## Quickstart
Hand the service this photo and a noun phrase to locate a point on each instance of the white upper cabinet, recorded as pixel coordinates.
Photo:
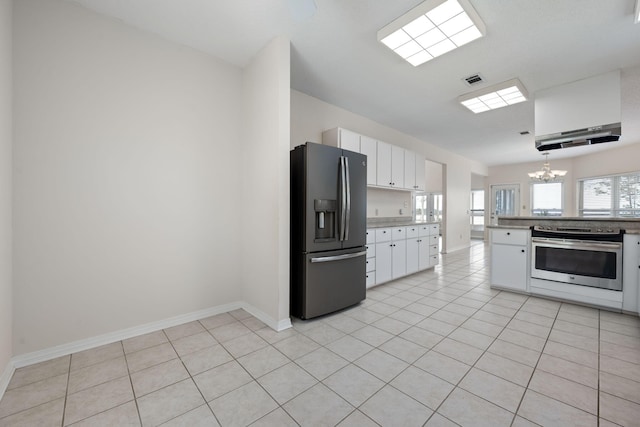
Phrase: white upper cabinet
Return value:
(349, 140)
(397, 167)
(420, 173)
(369, 147)
(384, 165)
(387, 165)
(409, 169)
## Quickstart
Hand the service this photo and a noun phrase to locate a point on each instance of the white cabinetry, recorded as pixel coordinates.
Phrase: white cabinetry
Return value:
(388, 165)
(369, 147)
(510, 258)
(353, 141)
(371, 258)
(397, 167)
(383, 255)
(399, 251)
(414, 178)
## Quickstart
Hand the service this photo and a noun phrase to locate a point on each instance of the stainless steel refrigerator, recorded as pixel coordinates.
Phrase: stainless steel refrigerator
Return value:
(328, 229)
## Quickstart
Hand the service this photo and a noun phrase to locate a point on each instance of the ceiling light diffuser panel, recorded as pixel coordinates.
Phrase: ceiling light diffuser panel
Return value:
(496, 96)
(431, 29)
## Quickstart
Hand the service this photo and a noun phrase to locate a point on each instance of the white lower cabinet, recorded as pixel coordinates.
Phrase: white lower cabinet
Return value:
(399, 251)
(631, 273)
(510, 259)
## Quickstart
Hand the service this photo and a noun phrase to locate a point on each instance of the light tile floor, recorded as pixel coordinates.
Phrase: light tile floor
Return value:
(438, 348)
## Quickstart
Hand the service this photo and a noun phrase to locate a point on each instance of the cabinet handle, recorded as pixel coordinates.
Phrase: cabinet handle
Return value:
(508, 234)
(522, 250)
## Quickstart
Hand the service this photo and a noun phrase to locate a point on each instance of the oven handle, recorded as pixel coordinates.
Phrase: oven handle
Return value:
(576, 244)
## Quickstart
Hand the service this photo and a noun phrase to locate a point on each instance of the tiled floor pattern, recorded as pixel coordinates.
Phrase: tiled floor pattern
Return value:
(437, 348)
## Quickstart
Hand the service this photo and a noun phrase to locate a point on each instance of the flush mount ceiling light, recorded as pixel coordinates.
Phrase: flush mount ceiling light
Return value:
(496, 96)
(431, 29)
(546, 174)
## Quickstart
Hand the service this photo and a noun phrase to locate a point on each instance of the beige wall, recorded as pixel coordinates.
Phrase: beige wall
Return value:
(6, 329)
(126, 179)
(265, 190)
(311, 116)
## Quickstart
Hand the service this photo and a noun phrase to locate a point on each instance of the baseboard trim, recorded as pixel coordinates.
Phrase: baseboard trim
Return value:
(6, 377)
(86, 344)
(276, 325)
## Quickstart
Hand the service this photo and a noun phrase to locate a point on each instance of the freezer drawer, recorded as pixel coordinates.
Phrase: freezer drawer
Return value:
(328, 281)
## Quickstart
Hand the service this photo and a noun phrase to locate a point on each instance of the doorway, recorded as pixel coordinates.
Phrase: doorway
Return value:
(505, 201)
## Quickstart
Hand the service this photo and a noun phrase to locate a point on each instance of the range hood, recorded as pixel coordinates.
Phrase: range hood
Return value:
(584, 112)
(576, 138)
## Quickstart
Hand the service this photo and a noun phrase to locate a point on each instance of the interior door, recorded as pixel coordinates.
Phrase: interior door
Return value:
(505, 201)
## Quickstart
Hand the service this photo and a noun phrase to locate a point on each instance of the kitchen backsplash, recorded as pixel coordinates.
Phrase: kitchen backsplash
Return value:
(388, 203)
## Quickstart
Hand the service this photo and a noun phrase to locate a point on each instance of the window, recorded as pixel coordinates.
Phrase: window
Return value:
(610, 196)
(477, 208)
(546, 199)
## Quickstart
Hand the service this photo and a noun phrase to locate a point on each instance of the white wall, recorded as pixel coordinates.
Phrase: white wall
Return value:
(616, 160)
(265, 173)
(311, 116)
(126, 179)
(382, 203)
(433, 177)
(6, 346)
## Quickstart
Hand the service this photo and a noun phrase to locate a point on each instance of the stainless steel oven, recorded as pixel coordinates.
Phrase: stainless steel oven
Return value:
(578, 256)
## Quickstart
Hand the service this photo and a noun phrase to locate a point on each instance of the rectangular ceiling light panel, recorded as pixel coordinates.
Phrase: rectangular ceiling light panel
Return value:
(431, 29)
(496, 96)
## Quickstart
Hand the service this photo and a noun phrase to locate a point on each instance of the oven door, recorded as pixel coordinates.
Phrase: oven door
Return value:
(579, 262)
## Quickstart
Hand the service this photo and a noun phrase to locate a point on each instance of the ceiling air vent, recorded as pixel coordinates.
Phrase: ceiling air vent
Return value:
(473, 80)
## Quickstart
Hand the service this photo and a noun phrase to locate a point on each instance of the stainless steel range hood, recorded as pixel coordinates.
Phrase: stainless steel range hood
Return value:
(576, 138)
(584, 112)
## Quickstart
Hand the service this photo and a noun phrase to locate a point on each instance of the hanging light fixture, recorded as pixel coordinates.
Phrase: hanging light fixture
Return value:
(546, 174)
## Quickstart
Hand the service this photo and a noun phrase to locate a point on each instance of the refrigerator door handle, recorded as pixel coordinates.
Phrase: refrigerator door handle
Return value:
(343, 198)
(348, 197)
(338, 257)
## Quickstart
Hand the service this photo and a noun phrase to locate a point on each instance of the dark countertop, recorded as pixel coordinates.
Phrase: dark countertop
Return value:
(630, 225)
(394, 222)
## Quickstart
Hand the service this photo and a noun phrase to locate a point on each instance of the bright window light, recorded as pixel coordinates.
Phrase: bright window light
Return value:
(636, 12)
(434, 28)
(493, 97)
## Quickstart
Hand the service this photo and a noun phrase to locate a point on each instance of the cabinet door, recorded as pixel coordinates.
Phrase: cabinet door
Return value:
(383, 262)
(413, 255)
(399, 259)
(368, 147)
(349, 140)
(631, 273)
(425, 258)
(409, 170)
(397, 167)
(509, 266)
(420, 172)
(383, 177)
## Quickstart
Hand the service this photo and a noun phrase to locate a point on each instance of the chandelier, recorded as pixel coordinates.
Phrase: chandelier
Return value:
(546, 174)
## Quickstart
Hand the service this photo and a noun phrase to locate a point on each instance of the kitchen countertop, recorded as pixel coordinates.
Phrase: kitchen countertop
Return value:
(630, 225)
(394, 222)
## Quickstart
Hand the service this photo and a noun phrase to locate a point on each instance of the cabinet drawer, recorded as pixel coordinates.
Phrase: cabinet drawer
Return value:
(423, 230)
(371, 251)
(433, 250)
(371, 279)
(434, 229)
(371, 236)
(371, 264)
(433, 240)
(509, 237)
(383, 235)
(413, 231)
(399, 233)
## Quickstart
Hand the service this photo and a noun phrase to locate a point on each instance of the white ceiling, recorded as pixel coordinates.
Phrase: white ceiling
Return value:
(337, 58)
